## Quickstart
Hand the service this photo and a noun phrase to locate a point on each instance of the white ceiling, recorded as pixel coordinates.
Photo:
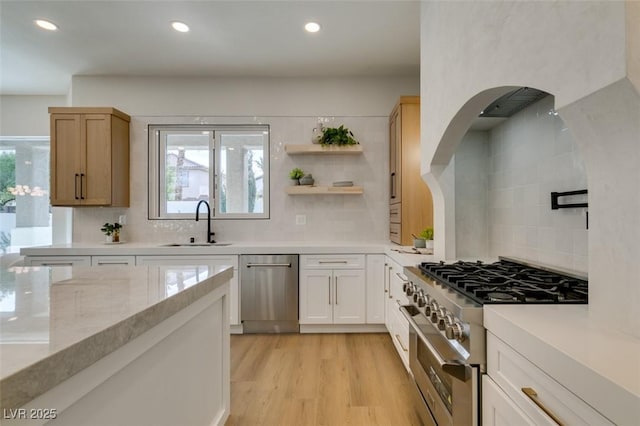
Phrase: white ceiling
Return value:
(227, 38)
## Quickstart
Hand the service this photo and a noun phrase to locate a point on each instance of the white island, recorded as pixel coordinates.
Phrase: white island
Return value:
(144, 345)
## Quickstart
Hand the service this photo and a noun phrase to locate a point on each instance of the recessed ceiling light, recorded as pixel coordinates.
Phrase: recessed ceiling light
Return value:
(180, 26)
(46, 25)
(312, 27)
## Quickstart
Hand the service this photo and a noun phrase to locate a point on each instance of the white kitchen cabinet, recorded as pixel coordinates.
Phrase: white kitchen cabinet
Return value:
(57, 261)
(217, 260)
(396, 323)
(113, 260)
(498, 409)
(332, 289)
(376, 299)
(540, 397)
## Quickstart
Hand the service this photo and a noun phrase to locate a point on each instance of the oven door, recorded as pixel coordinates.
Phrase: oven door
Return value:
(447, 385)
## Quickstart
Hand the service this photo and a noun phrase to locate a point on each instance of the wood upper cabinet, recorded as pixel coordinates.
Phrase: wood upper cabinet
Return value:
(410, 201)
(89, 157)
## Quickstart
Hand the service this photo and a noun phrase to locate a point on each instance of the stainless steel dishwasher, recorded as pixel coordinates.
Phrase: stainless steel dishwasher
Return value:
(269, 293)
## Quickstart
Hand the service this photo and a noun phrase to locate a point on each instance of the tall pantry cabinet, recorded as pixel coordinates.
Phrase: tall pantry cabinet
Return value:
(89, 157)
(410, 202)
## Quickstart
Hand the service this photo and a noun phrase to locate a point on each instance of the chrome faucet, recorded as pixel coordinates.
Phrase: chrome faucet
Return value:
(210, 234)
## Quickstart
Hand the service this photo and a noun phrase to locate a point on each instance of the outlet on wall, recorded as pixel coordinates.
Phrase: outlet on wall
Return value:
(301, 219)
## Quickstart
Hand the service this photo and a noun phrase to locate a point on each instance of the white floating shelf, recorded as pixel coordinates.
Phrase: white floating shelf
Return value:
(320, 149)
(324, 190)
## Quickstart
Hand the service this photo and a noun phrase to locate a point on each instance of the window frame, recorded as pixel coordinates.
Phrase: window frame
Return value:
(156, 169)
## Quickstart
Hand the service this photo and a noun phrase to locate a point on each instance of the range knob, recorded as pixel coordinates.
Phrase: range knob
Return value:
(437, 314)
(431, 307)
(419, 298)
(411, 288)
(458, 331)
(445, 321)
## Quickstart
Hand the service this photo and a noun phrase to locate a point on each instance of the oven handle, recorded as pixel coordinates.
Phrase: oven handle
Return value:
(455, 368)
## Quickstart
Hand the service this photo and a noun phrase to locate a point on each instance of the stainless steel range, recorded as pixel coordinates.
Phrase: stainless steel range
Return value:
(447, 338)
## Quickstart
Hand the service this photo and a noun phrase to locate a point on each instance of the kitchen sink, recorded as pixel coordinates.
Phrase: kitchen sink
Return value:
(195, 245)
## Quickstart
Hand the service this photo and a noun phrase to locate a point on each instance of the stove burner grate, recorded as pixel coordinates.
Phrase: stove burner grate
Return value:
(507, 282)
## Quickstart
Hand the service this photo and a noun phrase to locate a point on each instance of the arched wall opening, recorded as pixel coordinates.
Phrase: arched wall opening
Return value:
(492, 180)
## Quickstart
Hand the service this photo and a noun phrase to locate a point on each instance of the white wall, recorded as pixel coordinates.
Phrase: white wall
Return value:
(504, 178)
(472, 166)
(166, 96)
(27, 115)
(291, 107)
(478, 50)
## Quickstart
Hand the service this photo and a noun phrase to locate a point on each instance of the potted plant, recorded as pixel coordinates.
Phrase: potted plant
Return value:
(337, 136)
(427, 235)
(112, 231)
(295, 175)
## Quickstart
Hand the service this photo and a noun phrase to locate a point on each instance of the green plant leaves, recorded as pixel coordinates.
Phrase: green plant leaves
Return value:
(337, 136)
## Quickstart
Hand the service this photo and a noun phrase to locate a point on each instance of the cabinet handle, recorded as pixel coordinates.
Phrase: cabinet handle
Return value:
(336, 290)
(81, 191)
(268, 265)
(533, 396)
(400, 343)
(100, 263)
(332, 261)
(57, 264)
(386, 268)
(393, 185)
(75, 186)
(389, 281)
(329, 282)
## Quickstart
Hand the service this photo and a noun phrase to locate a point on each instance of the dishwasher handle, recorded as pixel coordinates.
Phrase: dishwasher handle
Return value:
(268, 265)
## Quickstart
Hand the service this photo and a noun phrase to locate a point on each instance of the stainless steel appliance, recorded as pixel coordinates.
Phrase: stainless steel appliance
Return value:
(447, 338)
(269, 293)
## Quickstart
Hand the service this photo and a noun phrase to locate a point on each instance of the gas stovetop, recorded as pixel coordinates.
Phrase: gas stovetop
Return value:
(506, 281)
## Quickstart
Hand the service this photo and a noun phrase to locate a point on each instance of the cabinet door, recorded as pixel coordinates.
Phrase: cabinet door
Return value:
(349, 297)
(65, 159)
(96, 154)
(497, 408)
(375, 288)
(232, 260)
(316, 296)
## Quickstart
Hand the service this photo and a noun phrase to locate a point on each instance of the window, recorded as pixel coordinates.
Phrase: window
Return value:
(228, 166)
(25, 213)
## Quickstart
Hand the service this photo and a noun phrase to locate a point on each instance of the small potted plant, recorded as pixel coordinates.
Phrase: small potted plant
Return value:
(427, 235)
(112, 231)
(337, 136)
(295, 175)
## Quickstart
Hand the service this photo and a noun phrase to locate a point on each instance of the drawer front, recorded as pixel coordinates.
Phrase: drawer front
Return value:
(57, 261)
(223, 260)
(340, 261)
(525, 383)
(399, 332)
(113, 260)
(498, 408)
(395, 235)
(395, 213)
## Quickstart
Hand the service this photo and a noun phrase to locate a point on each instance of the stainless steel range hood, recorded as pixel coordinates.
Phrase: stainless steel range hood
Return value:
(513, 102)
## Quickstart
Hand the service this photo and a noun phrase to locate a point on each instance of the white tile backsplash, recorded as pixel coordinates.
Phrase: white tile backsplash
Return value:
(329, 217)
(523, 160)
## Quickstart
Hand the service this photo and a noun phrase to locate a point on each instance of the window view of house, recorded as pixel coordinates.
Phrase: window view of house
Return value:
(25, 213)
(226, 166)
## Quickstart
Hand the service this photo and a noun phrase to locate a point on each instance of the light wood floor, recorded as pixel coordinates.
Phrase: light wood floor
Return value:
(318, 379)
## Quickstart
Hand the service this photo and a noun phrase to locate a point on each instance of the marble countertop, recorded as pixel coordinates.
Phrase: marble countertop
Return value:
(600, 365)
(54, 322)
(401, 254)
